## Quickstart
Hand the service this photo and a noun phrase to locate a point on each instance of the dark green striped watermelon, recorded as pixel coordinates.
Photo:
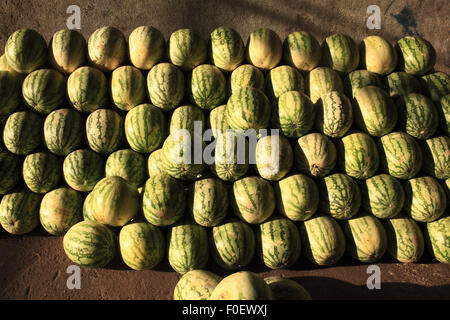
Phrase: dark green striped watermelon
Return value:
(127, 87)
(378, 55)
(142, 245)
(226, 48)
(400, 155)
(104, 131)
(67, 50)
(62, 130)
(107, 48)
(322, 80)
(26, 50)
(436, 85)
(340, 53)
(41, 171)
(416, 55)
(383, 196)
(322, 239)
(232, 244)
(278, 243)
(358, 79)
(358, 156)
(164, 200)
(436, 153)
(401, 83)
(187, 49)
(82, 169)
(114, 201)
(87, 208)
(19, 211)
(154, 163)
(247, 75)
(315, 155)
(187, 246)
(87, 89)
(437, 234)
(90, 244)
(425, 199)
(340, 196)
(443, 109)
(23, 132)
(283, 79)
(10, 173)
(166, 86)
(196, 285)
(128, 165)
(264, 49)
(60, 209)
(302, 51)
(10, 87)
(405, 239)
(287, 289)
(334, 114)
(147, 47)
(206, 87)
(187, 117)
(253, 199)
(217, 120)
(274, 157)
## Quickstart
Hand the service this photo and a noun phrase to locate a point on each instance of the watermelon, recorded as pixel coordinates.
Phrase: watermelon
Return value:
(297, 197)
(10, 173)
(226, 48)
(41, 171)
(283, 79)
(196, 285)
(247, 75)
(374, 111)
(90, 244)
(378, 55)
(60, 209)
(128, 165)
(302, 51)
(340, 53)
(19, 211)
(243, 285)
(400, 155)
(26, 51)
(416, 55)
(274, 157)
(67, 50)
(358, 79)
(443, 108)
(107, 48)
(436, 157)
(334, 114)
(293, 114)
(383, 196)
(145, 128)
(4, 66)
(206, 87)
(82, 169)
(182, 155)
(366, 238)
(322, 80)
(164, 200)
(87, 208)
(142, 246)
(417, 115)
(62, 129)
(341, 196)
(104, 130)
(314, 155)
(187, 246)
(23, 132)
(278, 243)
(114, 201)
(10, 87)
(264, 49)
(231, 158)
(425, 199)
(322, 239)
(127, 87)
(154, 163)
(208, 201)
(217, 120)
(253, 199)
(232, 244)
(437, 235)
(166, 86)
(87, 89)
(146, 46)
(358, 156)
(405, 239)
(287, 289)
(43, 90)
(401, 83)
(186, 117)
(436, 85)
(187, 49)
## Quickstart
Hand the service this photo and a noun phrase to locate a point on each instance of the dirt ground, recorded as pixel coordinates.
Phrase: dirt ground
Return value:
(34, 266)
